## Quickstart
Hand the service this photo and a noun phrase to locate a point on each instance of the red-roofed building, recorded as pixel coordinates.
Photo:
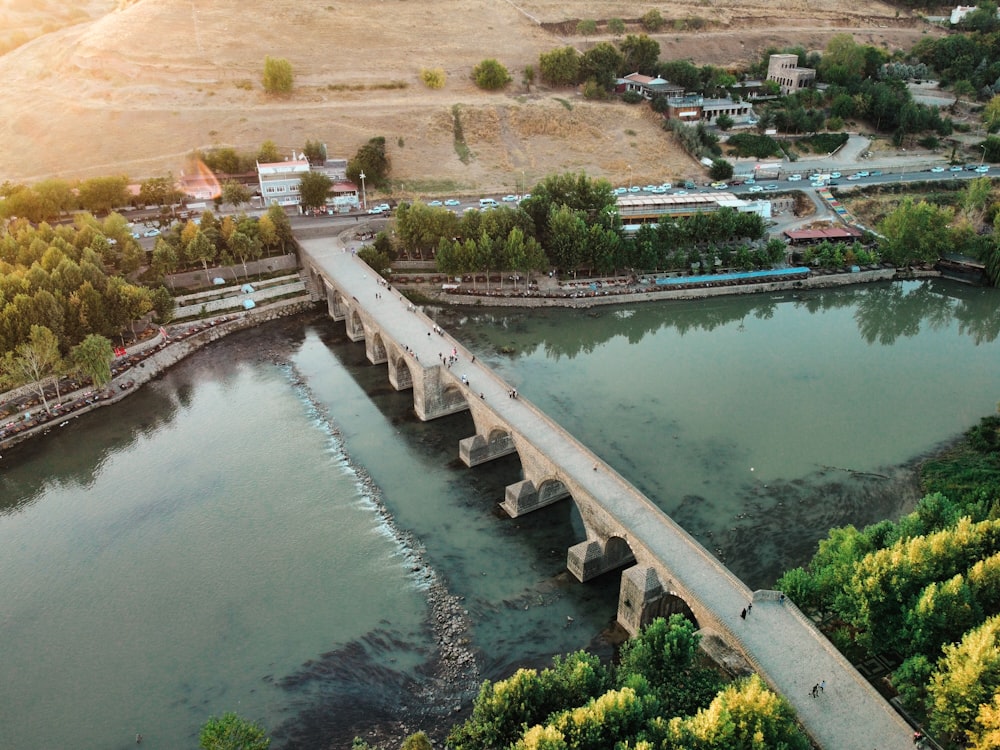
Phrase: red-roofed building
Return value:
(647, 86)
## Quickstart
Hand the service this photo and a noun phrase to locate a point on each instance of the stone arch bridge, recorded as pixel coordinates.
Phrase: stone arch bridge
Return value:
(664, 569)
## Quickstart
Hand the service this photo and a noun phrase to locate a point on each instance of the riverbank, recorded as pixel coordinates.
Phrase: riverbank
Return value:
(144, 365)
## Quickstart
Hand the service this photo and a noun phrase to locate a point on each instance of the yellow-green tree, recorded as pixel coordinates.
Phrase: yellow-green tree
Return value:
(278, 78)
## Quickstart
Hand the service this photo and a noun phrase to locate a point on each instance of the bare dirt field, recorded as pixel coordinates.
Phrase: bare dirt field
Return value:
(134, 87)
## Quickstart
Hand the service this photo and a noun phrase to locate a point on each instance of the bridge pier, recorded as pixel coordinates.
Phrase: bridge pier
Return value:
(589, 559)
(478, 449)
(522, 497)
(642, 598)
(355, 328)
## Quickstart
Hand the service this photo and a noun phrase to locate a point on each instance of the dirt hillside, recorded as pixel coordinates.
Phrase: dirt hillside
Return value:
(133, 87)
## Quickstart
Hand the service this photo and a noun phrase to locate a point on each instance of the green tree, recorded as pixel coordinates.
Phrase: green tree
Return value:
(724, 121)
(991, 114)
(92, 357)
(720, 169)
(314, 189)
(616, 26)
(652, 21)
(915, 233)
(744, 715)
(560, 67)
(587, 27)
(641, 54)
(315, 152)
(601, 63)
(159, 191)
(278, 78)
(101, 194)
(282, 228)
(490, 75)
(528, 76)
(417, 741)
(235, 193)
(373, 160)
(268, 152)
(35, 362)
(967, 677)
(232, 732)
(202, 250)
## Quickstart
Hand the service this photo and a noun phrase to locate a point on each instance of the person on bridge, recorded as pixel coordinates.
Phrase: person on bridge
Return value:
(743, 614)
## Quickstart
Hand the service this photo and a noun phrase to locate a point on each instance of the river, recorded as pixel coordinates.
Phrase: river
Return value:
(258, 530)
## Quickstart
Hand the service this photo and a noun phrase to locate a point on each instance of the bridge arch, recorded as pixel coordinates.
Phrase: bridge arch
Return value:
(400, 375)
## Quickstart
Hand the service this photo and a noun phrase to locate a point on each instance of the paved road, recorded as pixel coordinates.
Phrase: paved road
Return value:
(788, 651)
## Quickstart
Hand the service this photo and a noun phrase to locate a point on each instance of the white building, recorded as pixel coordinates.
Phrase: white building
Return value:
(959, 12)
(280, 181)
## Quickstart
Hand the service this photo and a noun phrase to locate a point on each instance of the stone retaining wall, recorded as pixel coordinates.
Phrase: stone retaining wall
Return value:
(812, 282)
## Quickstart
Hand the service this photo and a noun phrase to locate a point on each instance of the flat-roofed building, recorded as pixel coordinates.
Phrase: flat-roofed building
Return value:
(693, 107)
(647, 86)
(280, 181)
(785, 71)
(635, 211)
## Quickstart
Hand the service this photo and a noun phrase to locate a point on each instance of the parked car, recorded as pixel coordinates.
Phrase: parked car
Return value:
(794, 177)
(864, 173)
(680, 192)
(983, 168)
(435, 203)
(853, 177)
(834, 175)
(510, 199)
(376, 210)
(956, 168)
(771, 187)
(937, 169)
(876, 173)
(756, 189)
(453, 202)
(749, 181)
(154, 232)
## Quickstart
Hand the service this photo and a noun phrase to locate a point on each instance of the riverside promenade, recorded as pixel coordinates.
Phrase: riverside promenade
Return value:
(781, 644)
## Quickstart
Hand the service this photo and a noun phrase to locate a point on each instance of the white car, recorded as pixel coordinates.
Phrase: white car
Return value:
(854, 177)
(510, 199)
(620, 191)
(937, 170)
(756, 189)
(983, 169)
(794, 177)
(151, 233)
(435, 203)
(453, 202)
(375, 210)
(834, 175)
(680, 192)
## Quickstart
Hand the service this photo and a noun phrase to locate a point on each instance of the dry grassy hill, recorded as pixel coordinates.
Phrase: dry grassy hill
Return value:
(148, 81)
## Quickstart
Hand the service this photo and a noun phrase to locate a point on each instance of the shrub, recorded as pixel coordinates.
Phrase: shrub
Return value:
(631, 97)
(652, 20)
(593, 90)
(433, 78)
(490, 75)
(277, 75)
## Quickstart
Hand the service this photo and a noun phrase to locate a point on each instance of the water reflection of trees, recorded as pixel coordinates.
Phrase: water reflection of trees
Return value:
(883, 313)
(32, 471)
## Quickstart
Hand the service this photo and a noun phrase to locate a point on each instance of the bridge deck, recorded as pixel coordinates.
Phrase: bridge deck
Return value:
(785, 647)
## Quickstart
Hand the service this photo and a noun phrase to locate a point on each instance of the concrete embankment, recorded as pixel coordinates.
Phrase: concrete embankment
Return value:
(585, 299)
